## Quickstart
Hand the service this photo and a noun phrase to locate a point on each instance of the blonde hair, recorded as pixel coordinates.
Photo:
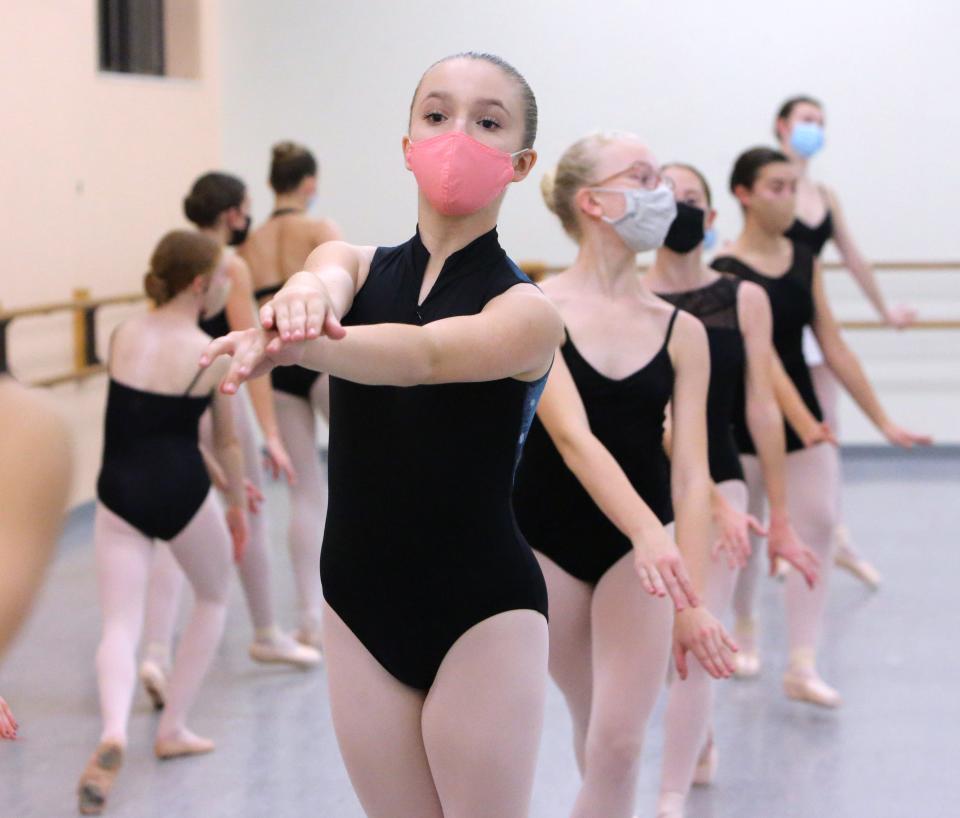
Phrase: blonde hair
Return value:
(576, 170)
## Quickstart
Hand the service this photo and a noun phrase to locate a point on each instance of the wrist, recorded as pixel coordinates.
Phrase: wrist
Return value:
(779, 517)
(647, 535)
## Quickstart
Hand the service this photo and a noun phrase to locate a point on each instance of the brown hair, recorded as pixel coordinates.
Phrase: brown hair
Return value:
(530, 113)
(787, 108)
(213, 194)
(575, 170)
(290, 164)
(695, 172)
(177, 260)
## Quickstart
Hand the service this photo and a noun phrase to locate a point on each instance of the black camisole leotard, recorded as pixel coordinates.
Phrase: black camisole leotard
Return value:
(420, 542)
(152, 474)
(791, 305)
(815, 238)
(716, 307)
(554, 511)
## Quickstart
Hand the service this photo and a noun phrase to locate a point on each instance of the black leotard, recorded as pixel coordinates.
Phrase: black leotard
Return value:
(813, 237)
(716, 307)
(216, 325)
(554, 511)
(152, 474)
(420, 542)
(791, 304)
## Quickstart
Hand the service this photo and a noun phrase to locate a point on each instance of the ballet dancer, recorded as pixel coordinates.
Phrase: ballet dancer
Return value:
(435, 619)
(799, 129)
(219, 206)
(274, 251)
(627, 356)
(764, 183)
(153, 486)
(736, 315)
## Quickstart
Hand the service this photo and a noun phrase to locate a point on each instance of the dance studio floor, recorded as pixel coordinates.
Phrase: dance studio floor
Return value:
(887, 754)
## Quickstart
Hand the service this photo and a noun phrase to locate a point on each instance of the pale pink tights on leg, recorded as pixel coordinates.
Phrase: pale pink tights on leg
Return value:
(467, 748)
(123, 558)
(813, 492)
(609, 650)
(690, 701)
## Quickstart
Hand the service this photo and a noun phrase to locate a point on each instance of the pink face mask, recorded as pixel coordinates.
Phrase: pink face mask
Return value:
(458, 174)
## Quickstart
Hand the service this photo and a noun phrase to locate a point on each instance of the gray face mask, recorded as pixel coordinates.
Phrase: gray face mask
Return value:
(647, 219)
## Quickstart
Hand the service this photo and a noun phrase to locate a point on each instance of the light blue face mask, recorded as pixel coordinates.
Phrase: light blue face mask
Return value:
(806, 138)
(709, 239)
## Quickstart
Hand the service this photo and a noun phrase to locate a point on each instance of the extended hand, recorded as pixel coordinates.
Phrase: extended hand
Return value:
(302, 310)
(783, 543)
(697, 630)
(254, 351)
(733, 529)
(904, 438)
(661, 570)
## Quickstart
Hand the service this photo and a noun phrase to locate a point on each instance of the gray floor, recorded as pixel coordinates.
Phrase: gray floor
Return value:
(887, 754)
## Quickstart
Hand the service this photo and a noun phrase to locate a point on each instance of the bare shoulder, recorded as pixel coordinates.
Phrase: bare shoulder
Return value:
(689, 338)
(239, 272)
(752, 300)
(325, 230)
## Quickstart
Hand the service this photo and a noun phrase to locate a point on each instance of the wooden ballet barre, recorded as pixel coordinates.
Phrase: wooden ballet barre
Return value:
(84, 309)
(538, 269)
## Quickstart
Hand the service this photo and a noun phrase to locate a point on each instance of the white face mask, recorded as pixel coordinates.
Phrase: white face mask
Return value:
(647, 219)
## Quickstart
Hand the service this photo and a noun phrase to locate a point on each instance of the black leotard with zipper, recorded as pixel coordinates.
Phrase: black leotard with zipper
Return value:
(420, 542)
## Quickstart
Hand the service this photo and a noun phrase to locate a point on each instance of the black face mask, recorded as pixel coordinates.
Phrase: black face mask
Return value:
(240, 236)
(686, 232)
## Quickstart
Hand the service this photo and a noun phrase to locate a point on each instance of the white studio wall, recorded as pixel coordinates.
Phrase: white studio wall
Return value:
(700, 81)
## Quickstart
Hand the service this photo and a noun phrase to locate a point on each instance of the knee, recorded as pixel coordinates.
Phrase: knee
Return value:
(614, 753)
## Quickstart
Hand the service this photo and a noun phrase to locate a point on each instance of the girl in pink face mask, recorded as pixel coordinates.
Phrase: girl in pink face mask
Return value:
(435, 625)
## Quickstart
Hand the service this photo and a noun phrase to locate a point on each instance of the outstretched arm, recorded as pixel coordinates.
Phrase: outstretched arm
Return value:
(514, 336)
(846, 366)
(862, 270)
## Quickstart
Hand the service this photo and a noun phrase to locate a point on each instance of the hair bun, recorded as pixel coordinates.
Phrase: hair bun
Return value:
(547, 184)
(285, 150)
(155, 287)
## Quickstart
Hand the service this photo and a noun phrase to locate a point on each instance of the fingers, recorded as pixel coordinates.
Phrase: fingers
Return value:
(297, 322)
(829, 436)
(713, 653)
(680, 659)
(267, 317)
(678, 583)
(757, 527)
(332, 327)
(289, 472)
(217, 347)
(645, 582)
(281, 318)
